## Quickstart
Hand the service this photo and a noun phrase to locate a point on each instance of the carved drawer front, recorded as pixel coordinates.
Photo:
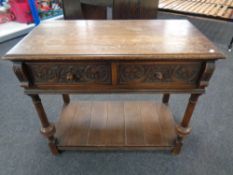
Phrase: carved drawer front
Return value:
(70, 73)
(159, 74)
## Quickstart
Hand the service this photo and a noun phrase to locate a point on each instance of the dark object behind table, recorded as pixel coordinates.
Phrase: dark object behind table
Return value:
(122, 9)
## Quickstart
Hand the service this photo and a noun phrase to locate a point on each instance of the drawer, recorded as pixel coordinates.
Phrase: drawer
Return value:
(70, 73)
(159, 74)
(126, 75)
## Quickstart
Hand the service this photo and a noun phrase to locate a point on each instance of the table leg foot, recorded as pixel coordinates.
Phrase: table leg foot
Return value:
(178, 145)
(181, 134)
(48, 133)
(53, 147)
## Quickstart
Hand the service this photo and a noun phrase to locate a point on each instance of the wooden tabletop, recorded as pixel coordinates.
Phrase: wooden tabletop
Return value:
(114, 40)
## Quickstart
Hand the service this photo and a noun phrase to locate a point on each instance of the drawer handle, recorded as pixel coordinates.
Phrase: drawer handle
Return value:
(159, 75)
(70, 76)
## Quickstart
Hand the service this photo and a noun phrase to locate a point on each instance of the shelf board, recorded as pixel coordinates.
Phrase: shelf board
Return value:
(115, 124)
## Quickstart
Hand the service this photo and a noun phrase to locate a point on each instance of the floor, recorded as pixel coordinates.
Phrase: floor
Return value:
(207, 150)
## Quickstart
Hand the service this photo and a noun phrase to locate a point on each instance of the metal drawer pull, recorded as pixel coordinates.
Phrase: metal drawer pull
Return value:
(70, 76)
(159, 75)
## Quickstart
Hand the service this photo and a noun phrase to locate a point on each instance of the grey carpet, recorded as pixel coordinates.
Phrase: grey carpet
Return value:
(207, 150)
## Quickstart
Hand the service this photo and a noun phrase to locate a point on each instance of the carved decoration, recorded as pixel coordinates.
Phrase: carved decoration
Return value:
(71, 73)
(150, 73)
(20, 72)
(208, 71)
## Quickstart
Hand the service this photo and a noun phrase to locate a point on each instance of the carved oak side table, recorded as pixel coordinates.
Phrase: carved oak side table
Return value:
(161, 56)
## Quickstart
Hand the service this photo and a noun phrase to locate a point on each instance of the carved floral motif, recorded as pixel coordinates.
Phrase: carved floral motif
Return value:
(150, 73)
(71, 73)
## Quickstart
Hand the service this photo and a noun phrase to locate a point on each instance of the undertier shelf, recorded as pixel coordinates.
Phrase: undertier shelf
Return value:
(115, 125)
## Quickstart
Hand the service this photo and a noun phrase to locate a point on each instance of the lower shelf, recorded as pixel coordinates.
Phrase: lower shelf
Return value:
(115, 124)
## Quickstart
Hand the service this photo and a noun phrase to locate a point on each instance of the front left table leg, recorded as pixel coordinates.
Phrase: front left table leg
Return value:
(183, 130)
(47, 129)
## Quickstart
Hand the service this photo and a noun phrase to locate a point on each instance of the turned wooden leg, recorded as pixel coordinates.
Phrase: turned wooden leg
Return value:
(47, 129)
(166, 98)
(183, 130)
(66, 99)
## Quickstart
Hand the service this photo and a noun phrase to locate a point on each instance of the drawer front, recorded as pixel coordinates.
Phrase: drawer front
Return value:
(159, 74)
(115, 76)
(70, 73)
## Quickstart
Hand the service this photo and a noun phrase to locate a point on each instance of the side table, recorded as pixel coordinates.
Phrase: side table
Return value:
(160, 56)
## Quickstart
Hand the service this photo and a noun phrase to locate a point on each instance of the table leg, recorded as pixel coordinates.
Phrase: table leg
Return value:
(166, 98)
(183, 130)
(47, 129)
(66, 99)
(230, 45)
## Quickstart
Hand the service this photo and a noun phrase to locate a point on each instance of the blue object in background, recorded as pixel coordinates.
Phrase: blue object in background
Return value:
(1, 2)
(34, 11)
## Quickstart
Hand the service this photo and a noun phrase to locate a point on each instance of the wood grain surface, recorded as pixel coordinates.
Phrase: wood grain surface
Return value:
(115, 124)
(114, 40)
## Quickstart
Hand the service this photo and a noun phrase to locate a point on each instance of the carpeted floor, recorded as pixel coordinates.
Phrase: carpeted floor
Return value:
(207, 150)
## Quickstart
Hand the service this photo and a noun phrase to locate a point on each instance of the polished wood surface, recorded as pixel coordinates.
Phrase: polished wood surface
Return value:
(114, 40)
(116, 124)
